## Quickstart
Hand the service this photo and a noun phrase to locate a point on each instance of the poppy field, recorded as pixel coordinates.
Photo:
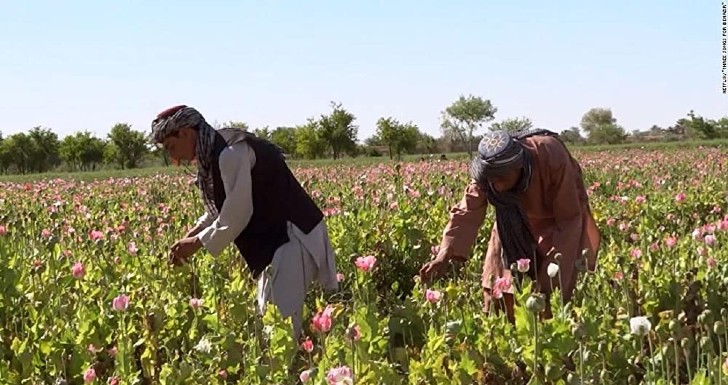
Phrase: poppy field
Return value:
(88, 295)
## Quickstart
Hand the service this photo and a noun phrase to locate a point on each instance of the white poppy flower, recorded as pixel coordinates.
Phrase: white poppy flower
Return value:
(640, 326)
(552, 269)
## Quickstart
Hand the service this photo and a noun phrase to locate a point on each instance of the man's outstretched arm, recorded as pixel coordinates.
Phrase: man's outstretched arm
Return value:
(466, 218)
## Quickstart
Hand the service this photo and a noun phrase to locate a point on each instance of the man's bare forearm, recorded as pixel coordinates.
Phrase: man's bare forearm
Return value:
(194, 231)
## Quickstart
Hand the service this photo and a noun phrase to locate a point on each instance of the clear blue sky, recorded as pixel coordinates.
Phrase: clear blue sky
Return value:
(85, 65)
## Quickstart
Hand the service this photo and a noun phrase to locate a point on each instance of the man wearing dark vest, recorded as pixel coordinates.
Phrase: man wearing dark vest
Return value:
(252, 200)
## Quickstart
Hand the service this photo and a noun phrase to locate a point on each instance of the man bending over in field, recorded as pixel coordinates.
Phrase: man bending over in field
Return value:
(537, 190)
(253, 200)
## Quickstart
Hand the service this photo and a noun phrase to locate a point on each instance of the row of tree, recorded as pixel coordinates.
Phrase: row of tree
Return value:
(40, 150)
(335, 135)
(332, 135)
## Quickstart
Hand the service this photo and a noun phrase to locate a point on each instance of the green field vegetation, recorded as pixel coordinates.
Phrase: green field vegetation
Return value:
(362, 160)
(87, 291)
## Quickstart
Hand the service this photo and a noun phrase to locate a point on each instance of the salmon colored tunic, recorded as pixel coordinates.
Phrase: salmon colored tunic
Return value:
(557, 209)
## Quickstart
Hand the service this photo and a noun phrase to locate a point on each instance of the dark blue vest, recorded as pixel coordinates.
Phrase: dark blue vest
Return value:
(278, 197)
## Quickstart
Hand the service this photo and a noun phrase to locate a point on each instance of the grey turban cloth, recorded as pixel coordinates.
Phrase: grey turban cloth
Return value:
(171, 121)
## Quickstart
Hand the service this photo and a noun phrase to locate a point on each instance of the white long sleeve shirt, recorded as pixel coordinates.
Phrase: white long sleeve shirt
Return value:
(236, 161)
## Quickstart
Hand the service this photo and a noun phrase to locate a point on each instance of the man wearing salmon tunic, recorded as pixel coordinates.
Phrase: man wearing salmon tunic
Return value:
(542, 215)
